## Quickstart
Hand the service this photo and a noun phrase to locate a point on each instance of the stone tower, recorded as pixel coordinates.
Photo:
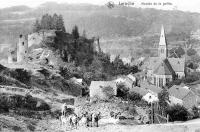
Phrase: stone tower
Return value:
(10, 56)
(162, 49)
(96, 45)
(22, 49)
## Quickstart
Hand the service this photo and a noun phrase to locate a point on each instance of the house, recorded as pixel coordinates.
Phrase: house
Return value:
(174, 101)
(148, 92)
(127, 81)
(188, 97)
(150, 87)
(150, 97)
(162, 69)
(77, 80)
(139, 90)
(96, 88)
(132, 77)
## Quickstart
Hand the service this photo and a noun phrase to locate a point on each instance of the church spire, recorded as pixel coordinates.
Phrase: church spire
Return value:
(162, 37)
(162, 50)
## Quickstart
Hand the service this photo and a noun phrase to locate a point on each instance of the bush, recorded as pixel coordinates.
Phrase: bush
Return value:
(175, 82)
(191, 52)
(192, 77)
(177, 113)
(108, 91)
(195, 112)
(134, 96)
(122, 91)
(17, 101)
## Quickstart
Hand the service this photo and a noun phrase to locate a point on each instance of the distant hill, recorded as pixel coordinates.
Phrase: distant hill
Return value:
(100, 21)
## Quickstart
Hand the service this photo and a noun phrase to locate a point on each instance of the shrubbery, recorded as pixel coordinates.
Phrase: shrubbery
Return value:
(122, 91)
(108, 91)
(19, 74)
(134, 96)
(177, 113)
(21, 102)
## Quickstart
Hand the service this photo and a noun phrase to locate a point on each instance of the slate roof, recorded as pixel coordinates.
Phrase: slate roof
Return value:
(170, 64)
(151, 63)
(164, 68)
(178, 64)
(178, 91)
(139, 90)
(96, 84)
(150, 87)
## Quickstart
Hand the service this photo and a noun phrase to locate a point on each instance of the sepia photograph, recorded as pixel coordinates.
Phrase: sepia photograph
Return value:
(99, 66)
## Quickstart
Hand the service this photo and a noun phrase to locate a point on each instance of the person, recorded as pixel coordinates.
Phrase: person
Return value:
(89, 120)
(63, 109)
(96, 118)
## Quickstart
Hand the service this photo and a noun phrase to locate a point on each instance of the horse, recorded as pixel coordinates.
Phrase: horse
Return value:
(63, 120)
(74, 120)
(83, 120)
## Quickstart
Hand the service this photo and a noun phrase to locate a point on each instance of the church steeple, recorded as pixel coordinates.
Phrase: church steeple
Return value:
(162, 49)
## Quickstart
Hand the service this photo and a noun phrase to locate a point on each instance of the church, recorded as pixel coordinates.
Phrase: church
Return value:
(162, 69)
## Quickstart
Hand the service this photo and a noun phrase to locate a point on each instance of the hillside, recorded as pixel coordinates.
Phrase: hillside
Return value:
(111, 25)
(99, 20)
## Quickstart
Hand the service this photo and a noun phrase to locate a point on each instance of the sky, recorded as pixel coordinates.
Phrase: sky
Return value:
(184, 5)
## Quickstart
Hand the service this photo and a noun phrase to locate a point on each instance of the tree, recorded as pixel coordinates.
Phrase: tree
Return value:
(177, 52)
(36, 26)
(49, 22)
(191, 52)
(177, 113)
(118, 64)
(122, 91)
(163, 97)
(192, 77)
(46, 22)
(84, 34)
(133, 96)
(195, 112)
(60, 24)
(54, 21)
(75, 32)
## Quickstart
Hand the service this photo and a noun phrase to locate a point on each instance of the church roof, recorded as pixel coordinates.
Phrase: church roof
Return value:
(164, 68)
(153, 63)
(178, 64)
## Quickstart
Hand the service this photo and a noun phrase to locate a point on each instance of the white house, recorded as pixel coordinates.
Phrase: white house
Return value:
(150, 97)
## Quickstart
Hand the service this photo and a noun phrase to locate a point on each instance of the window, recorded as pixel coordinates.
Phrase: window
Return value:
(167, 80)
(23, 43)
(154, 80)
(162, 50)
(160, 82)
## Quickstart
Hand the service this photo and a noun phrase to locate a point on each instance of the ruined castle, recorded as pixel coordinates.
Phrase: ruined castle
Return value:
(20, 54)
(22, 50)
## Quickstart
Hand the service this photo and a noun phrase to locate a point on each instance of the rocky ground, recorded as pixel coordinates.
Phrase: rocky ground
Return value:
(22, 124)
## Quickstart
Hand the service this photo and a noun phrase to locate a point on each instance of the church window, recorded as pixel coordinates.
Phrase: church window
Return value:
(160, 82)
(167, 80)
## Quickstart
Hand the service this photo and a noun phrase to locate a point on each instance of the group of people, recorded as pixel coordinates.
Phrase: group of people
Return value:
(84, 119)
